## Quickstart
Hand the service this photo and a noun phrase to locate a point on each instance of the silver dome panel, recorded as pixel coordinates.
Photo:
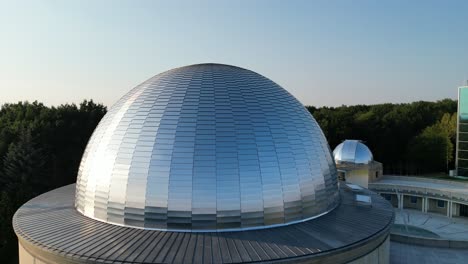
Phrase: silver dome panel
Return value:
(207, 147)
(352, 151)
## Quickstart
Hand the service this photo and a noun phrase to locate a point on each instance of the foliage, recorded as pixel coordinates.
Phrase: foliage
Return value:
(23, 170)
(431, 150)
(41, 148)
(390, 129)
(448, 124)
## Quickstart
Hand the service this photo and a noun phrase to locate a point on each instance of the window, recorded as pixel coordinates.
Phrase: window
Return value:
(376, 174)
(413, 199)
(440, 203)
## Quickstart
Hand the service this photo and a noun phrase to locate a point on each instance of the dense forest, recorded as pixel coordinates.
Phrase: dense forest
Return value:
(414, 138)
(41, 147)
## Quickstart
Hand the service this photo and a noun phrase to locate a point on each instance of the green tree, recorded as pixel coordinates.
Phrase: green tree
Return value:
(388, 129)
(432, 150)
(448, 123)
(22, 178)
(40, 149)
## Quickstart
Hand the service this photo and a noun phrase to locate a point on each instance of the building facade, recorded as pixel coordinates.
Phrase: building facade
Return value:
(461, 161)
(425, 194)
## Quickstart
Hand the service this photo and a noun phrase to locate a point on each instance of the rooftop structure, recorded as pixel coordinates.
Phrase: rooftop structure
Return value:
(206, 163)
(51, 230)
(207, 147)
(352, 151)
(449, 198)
(355, 163)
(431, 211)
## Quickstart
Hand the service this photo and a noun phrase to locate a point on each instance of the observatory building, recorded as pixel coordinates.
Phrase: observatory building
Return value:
(206, 163)
(356, 164)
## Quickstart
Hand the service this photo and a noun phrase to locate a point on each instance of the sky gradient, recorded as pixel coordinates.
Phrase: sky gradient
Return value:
(323, 52)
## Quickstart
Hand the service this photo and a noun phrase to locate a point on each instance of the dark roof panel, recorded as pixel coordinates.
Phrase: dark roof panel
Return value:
(49, 224)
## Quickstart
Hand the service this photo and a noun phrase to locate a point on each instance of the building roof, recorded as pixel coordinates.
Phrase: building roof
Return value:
(453, 190)
(50, 228)
(352, 151)
(207, 147)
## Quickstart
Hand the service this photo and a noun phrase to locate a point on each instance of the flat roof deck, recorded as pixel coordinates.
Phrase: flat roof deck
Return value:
(49, 226)
(429, 183)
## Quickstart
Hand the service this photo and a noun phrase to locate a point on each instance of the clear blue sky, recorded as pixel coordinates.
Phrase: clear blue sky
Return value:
(323, 52)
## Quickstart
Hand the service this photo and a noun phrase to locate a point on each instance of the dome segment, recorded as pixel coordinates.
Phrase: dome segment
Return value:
(352, 151)
(206, 147)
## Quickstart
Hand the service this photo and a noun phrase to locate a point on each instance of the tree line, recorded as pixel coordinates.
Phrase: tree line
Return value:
(40, 150)
(41, 147)
(412, 138)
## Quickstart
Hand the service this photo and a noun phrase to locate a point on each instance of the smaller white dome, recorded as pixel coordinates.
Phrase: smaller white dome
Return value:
(352, 151)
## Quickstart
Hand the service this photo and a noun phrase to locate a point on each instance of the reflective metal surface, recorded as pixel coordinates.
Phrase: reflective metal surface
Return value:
(352, 151)
(207, 147)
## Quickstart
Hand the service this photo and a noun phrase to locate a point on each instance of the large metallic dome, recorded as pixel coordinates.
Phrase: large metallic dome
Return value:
(352, 151)
(207, 147)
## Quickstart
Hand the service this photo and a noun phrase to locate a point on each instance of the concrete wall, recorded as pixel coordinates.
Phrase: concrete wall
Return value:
(393, 199)
(429, 242)
(26, 258)
(375, 171)
(408, 205)
(433, 208)
(359, 177)
(455, 209)
(380, 255)
(361, 174)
